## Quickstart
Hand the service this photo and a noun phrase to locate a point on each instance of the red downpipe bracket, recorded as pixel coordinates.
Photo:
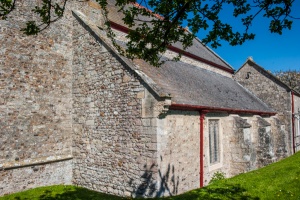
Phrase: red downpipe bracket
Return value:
(293, 122)
(202, 117)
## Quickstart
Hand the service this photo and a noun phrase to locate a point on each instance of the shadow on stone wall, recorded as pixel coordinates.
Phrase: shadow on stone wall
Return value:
(167, 185)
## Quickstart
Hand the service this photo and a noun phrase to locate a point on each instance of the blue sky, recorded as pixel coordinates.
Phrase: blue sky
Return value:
(271, 51)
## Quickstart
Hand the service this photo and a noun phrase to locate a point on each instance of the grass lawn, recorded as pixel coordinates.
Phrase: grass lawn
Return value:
(60, 192)
(280, 180)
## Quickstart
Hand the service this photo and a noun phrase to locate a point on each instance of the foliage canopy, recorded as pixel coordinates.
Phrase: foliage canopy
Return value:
(290, 77)
(159, 23)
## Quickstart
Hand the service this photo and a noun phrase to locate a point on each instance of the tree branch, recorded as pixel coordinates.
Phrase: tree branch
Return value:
(9, 9)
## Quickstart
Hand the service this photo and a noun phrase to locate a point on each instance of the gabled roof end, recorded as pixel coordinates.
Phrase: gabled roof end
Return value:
(250, 61)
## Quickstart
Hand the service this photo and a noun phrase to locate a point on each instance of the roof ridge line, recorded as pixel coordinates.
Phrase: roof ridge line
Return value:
(213, 52)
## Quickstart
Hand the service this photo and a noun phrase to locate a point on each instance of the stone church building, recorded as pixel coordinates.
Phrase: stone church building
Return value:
(74, 111)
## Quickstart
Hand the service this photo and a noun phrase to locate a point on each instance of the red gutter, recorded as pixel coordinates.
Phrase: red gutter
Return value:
(119, 27)
(190, 55)
(175, 49)
(293, 121)
(202, 117)
(215, 109)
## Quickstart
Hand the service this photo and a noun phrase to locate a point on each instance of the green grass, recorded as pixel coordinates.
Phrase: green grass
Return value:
(60, 192)
(280, 180)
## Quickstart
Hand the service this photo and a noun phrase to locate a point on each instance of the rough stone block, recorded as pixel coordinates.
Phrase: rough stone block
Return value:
(140, 95)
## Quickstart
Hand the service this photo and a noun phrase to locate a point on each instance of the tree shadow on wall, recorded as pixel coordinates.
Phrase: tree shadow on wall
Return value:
(167, 185)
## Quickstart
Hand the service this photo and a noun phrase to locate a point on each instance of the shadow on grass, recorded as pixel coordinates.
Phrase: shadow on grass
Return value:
(73, 194)
(216, 192)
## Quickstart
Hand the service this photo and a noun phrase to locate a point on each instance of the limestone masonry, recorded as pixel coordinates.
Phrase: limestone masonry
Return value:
(74, 111)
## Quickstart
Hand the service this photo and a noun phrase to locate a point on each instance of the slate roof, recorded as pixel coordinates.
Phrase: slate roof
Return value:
(191, 85)
(197, 48)
(185, 83)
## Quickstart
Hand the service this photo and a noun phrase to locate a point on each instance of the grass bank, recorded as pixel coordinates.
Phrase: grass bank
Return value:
(60, 192)
(279, 180)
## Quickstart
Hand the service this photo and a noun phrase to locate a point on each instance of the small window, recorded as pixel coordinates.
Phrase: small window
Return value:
(214, 145)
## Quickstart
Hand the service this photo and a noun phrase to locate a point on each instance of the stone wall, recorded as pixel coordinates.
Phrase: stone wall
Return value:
(274, 94)
(35, 91)
(280, 144)
(27, 177)
(238, 146)
(114, 148)
(265, 143)
(246, 143)
(170, 54)
(35, 97)
(178, 152)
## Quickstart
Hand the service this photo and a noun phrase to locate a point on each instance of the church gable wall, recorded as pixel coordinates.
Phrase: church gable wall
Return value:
(270, 92)
(114, 144)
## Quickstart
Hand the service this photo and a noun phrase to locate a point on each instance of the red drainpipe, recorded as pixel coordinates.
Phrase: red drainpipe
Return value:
(202, 117)
(293, 122)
